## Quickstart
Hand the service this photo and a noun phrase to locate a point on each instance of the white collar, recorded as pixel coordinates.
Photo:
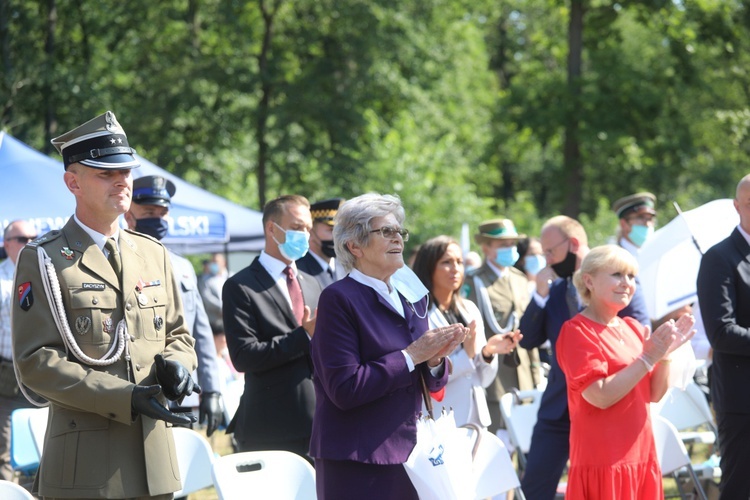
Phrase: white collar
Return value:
(274, 266)
(627, 245)
(98, 237)
(324, 264)
(500, 272)
(744, 234)
(389, 293)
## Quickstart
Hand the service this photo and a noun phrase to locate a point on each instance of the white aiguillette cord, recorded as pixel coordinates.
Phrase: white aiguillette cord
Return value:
(54, 296)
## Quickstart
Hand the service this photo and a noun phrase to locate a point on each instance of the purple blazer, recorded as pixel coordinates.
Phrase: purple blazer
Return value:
(366, 398)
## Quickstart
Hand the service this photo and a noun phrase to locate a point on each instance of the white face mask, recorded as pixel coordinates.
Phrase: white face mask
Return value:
(408, 284)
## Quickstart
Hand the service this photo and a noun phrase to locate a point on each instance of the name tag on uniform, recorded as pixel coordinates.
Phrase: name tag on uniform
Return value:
(93, 286)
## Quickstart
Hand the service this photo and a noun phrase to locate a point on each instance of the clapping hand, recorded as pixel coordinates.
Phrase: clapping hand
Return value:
(437, 343)
(668, 337)
(502, 343)
(684, 331)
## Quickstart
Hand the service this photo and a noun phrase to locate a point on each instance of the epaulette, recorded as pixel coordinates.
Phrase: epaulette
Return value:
(146, 236)
(45, 238)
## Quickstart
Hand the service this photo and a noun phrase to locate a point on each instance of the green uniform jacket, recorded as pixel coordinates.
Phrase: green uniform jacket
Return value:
(507, 295)
(95, 447)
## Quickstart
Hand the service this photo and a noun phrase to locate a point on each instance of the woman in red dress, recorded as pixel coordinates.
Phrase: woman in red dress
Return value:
(614, 368)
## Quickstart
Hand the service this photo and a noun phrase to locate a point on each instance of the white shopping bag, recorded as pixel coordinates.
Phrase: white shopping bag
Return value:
(440, 465)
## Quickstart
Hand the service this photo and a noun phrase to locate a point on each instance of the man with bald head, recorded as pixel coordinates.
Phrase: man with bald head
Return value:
(15, 237)
(724, 295)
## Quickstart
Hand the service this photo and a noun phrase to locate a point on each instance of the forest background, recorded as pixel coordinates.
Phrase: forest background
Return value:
(467, 110)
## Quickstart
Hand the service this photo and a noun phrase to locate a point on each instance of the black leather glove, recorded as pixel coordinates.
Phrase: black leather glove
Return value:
(144, 402)
(211, 410)
(175, 380)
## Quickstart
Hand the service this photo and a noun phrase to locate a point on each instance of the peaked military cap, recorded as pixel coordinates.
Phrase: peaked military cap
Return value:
(99, 143)
(497, 229)
(324, 211)
(638, 203)
(153, 190)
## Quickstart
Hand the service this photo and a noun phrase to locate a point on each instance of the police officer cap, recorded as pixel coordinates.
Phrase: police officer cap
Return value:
(98, 143)
(153, 190)
(639, 203)
(324, 211)
(497, 229)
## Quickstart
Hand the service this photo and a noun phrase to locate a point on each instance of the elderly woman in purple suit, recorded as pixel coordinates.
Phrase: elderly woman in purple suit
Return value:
(370, 350)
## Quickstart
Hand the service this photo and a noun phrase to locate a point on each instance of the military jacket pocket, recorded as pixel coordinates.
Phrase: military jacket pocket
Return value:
(79, 446)
(92, 315)
(152, 304)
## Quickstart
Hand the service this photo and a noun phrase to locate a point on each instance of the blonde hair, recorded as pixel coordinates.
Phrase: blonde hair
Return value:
(605, 256)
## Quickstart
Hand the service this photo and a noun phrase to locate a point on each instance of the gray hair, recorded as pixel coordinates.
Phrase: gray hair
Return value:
(352, 222)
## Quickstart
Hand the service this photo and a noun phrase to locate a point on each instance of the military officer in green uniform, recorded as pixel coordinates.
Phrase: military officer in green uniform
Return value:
(98, 332)
(502, 293)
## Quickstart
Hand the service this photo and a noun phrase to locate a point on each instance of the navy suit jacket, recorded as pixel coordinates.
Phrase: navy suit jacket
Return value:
(367, 399)
(539, 324)
(310, 265)
(724, 295)
(272, 349)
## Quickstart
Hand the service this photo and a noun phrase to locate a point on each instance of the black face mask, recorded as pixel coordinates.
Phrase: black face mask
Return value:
(566, 267)
(326, 246)
(156, 227)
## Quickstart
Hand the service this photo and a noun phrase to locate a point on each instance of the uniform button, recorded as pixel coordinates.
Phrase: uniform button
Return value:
(111, 415)
(72, 424)
(156, 299)
(94, 301)
(128, 306)
(138, 368)
(132, 338)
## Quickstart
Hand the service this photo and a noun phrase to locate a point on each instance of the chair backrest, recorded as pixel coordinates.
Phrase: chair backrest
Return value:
(493, 470)
(24, 457)
(271, 475)
(12, 491)
(194, 458)
(670, 450)
(684, 409)
(519, 410)
(38, 427)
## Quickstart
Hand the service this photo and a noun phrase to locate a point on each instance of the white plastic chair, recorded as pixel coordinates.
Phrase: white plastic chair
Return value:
(672, 454)
(38, 427)
(688, 411)
(493, 470)
(24, 457)
(269, 475)
(12, 491)
(519, 410)
(194, 459)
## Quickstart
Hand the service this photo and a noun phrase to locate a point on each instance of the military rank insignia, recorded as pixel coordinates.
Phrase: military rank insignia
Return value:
(25, 297)
(83, 323)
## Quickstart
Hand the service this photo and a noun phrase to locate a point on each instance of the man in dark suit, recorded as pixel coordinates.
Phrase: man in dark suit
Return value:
(724, 295)
(269, 319)
(320, 261)
(555, 301)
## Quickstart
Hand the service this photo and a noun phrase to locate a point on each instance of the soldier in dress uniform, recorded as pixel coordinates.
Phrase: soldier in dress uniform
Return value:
(152, 197)
(98, 331)
(502, 293)
(637, 220)
(320, 261)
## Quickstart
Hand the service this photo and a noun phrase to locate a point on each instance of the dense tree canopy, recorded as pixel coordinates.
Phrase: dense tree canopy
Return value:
(466, 109)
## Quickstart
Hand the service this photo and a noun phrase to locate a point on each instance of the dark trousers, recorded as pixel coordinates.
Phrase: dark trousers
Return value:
(345, 479)
(548, 454)
(734, 443)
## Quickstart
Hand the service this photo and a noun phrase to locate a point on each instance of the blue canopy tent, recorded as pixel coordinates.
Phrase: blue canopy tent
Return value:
(33, 190)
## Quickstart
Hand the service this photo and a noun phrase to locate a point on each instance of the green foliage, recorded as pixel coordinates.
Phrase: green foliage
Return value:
(458, 107)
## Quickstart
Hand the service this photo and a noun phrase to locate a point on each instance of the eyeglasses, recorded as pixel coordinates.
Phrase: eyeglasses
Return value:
(21, 239)
(642, 219)
(548, 252)
(389, 232)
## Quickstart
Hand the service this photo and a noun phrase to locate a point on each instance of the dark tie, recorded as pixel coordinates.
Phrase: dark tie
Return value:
(114, 257)
(571, 297)
(330, 272)
(295, 293)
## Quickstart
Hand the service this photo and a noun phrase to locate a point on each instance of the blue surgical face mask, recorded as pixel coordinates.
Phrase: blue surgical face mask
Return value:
(295, 244)
(534, 263)
(156, 227)
(639, 234)
(506, 257)
(213, 268)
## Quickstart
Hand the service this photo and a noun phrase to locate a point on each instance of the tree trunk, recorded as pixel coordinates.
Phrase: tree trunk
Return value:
(50, 119)
(572, 165)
